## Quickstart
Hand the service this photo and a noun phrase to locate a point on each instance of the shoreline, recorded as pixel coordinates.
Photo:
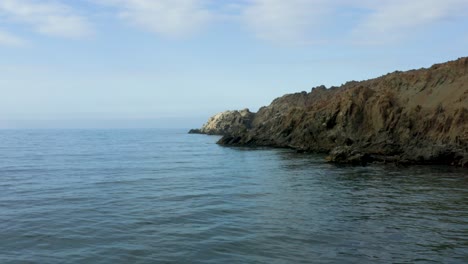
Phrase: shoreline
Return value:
(413, 117)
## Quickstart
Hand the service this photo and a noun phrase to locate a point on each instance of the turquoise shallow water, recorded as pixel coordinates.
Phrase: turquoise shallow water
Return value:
(163, 196)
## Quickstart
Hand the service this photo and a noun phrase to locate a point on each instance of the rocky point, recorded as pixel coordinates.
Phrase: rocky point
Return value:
(413, 117)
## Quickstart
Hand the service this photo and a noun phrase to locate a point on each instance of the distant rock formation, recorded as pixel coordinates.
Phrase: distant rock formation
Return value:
(414, 117)
(228, 122)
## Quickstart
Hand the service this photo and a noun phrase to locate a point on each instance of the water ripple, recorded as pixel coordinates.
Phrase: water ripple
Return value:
(149, 196)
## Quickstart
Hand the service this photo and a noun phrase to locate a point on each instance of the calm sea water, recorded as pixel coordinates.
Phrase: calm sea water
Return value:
(161, 196)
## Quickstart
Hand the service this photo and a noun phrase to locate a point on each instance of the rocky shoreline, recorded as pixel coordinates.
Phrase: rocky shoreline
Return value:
(226, 123)
(414, 117)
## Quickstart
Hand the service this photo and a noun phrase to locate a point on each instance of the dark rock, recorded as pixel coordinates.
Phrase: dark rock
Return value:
(348, 155)
(195, 131)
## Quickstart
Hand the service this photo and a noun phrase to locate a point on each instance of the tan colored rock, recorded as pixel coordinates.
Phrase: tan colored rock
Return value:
(418, 116)
(227, 122)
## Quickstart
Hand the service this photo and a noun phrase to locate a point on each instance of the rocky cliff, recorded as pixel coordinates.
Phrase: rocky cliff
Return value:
(418, 116)
(228, 122)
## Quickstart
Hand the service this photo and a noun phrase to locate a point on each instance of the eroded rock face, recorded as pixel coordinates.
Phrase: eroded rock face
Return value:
(226, 123)
(419, 116)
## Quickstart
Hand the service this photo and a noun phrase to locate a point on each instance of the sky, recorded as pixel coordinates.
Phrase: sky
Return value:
(174, 63)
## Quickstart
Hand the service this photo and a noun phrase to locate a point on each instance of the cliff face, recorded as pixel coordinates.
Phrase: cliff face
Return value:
(228, 122)
(419, 116)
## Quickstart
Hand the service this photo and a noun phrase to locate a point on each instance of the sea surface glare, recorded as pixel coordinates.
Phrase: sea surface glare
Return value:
(163, 196)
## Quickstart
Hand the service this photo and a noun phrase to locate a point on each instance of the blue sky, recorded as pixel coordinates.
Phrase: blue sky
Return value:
(174, 63)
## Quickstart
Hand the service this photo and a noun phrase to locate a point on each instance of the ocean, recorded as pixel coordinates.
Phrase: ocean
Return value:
(164, 196)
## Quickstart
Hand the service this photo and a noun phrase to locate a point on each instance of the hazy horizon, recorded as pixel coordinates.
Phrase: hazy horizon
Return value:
(174, 63)
(155, 123)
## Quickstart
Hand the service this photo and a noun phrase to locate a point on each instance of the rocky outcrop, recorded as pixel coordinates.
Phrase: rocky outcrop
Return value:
(418, 116)
(228, 122)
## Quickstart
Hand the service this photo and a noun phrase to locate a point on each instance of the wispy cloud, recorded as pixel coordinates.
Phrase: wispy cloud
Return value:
(46, 17)
(372, 22)
(392, 20)
(173, 18)
(8, 39)
(287, 21)
(277, 21)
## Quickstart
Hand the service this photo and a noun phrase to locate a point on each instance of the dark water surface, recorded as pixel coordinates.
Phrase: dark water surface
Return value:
(158, 196)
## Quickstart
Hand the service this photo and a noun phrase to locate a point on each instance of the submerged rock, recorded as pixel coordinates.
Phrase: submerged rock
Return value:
(348, 155)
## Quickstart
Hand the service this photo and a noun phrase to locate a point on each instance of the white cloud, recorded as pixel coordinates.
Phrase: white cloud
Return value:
(172, 18)
(287, 21)
(368, 21)
(392, 20)
(280, 21)
(46, 17)
(7, 39)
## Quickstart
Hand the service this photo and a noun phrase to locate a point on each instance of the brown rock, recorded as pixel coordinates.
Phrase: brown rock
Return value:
(418, 116)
